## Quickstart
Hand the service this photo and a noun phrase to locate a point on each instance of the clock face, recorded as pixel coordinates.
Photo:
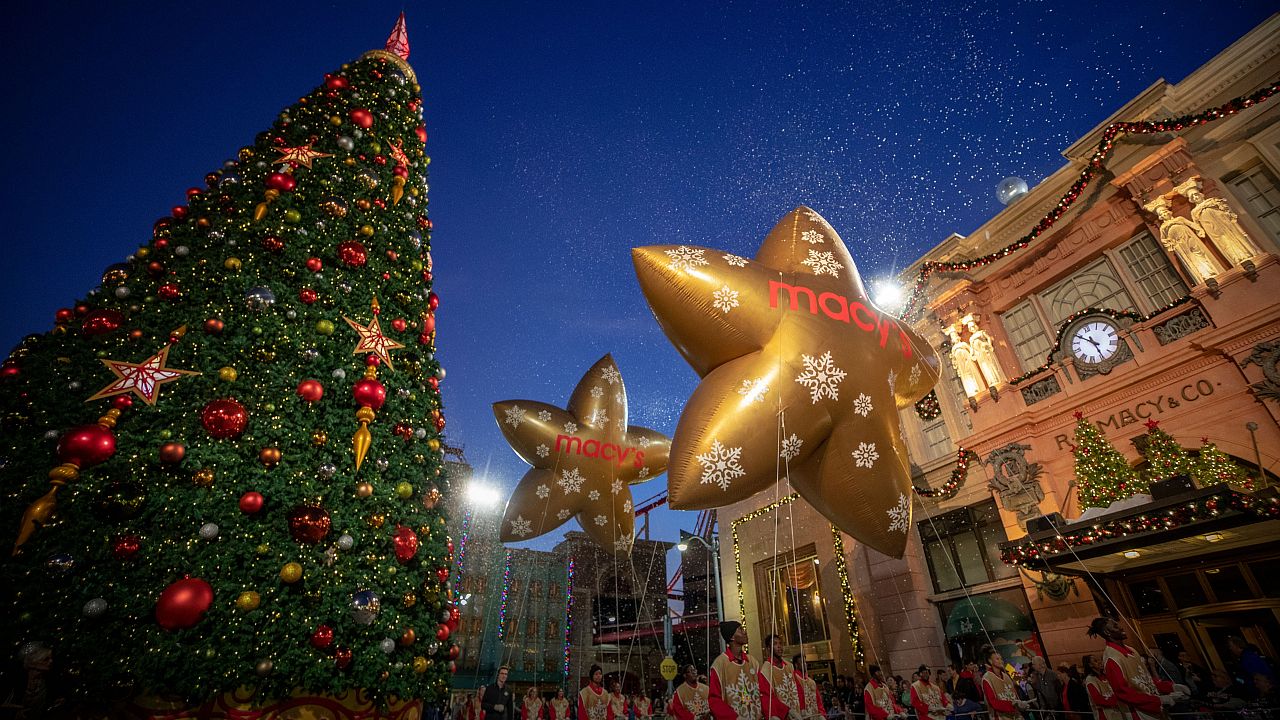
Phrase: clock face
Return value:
(1095, 341)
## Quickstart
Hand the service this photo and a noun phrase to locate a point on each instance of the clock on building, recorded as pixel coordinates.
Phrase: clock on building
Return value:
(1094, 343)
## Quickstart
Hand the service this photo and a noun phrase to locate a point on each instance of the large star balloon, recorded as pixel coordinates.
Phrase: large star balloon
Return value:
(584, 459)
(802, 376)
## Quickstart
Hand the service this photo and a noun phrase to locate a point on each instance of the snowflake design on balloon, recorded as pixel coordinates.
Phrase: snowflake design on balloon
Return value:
(597, 392)
(735, 260)
(721, 465)
(813, 237)
(685, 258)
(515, 416)
(543, 451)
(616, 487)
(544, 415)
(821, 376)
(521, 527)
(644, 441)
(866, 455)
(914, 377)
(626, 506)
(543, 491)
(754, 390)
(862, 405)
(899, 515)
(571, 481)
(601, 520)
(611, 375)
(724, 299)
(570, 428)
(598, 418)
(791, 447)
(621, 544)
(563, 514)
(594, 495)
(822, 263)
(643, 472)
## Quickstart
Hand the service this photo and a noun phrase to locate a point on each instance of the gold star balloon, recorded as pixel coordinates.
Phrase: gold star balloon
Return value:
(584, 459)
(802, 376)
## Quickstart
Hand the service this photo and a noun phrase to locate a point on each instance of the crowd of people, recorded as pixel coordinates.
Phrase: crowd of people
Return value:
(1116, 683)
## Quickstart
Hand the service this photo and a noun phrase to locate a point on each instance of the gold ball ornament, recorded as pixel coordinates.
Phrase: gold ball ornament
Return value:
(434, 445)
(233, 264)
(431, 498)
(377, 520)
(227, 374)
(291, 573)
(409, 600)
(364, 490)
(366, 230)
(404, 490)
(248, 601)
(269, 456)
(202, 478)
(408, 637)
(263, 548)
(319, 438)
(324, 327)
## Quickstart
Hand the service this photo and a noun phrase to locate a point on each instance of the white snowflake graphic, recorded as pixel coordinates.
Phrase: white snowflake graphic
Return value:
(866, 455)
(571, 427)
(685, 258)
(821, 376)
(616, 487)
(543, 451)
(914, 377)
(544, 415)
(571, 481)
(521, 527)
(621, 424)
(725, 299)
(598, 417)
(735, 260)
(813, 237)
(862, 405)
(791, 447)
(822, 263)
(721, 465)
(593, 495)
(621, 544)
(644, 441)
(601, 520)
(899, 514)
(815, 217)
(643, 472)
(563, 514)
(543, 492)
(620, 398)
(626, 506)
(754, 390)
(515, 416)
(611, 375)
(893, 381)
(597, 392)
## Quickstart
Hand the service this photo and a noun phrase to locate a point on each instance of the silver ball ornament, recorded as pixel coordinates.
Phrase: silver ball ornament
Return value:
(339, 374)
(260, 298)
(326, 471)
(310, 354)
(291, 314)
(122, 292)
(365, 606)
(209, 531)
(346, 143)
(182, 251)
(387, 645)
(382, 463)
(420, 433)
(94, 608)
(346, 542)
(1010, 189)
(403, 393)
(264, 667)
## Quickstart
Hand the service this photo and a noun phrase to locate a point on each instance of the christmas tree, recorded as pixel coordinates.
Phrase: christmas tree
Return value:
(1166, 458)
(251, 495)
(1214, 467)
(1102, 473)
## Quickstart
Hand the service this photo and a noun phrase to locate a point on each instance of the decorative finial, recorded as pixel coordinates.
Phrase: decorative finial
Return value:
(398, 42)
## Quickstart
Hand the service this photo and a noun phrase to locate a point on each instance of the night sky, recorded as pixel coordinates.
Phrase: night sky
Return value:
(564, 134)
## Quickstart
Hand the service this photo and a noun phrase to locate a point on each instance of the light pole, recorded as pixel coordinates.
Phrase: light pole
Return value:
(712, 547)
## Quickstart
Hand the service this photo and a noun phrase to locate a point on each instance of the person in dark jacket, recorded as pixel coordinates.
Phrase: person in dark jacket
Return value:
(1046, 688)
(498, 702)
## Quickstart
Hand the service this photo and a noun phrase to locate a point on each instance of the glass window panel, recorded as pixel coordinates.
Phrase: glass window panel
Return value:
(1186, 590)
(937, 440)
(1096, 285)
(796, 602)
(1257, 190)
(1150, 267)
(992, 536)
(1228, 584)
(1030, 343)
(969, 556)
(1147, 597)
(1267, 574)
(944, 572)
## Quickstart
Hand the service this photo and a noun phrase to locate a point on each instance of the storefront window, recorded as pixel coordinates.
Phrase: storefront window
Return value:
(1002, 619)
(962, 547)
(1187, 589)
(1147, 597)
(1228, 584)
(791, 593)
(1267, 574)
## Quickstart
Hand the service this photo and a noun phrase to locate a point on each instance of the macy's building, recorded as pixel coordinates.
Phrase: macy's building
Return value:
(1156, 297)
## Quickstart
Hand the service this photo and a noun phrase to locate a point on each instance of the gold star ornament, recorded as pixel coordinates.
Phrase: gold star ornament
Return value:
(142, 379)
(302, 155)
(584, 458)
(802, 377)
(372, 339)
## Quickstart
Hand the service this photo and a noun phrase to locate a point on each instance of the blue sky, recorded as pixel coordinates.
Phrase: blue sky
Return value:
(564, 134)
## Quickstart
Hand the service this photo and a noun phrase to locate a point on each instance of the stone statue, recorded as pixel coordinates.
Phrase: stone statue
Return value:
(1181, 236)
(984, 353)
(966, 365)
(1220, 223)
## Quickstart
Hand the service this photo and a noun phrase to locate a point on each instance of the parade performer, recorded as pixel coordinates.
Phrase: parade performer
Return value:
(531, 708)
(498, 702)
(593, 702)
(779, 690)
(472, 709)
(734, 693)
(1140, 696)
(689, 702)
(810, 699)
(929, 700)
(998, 689)
(878, 699)
(559, 706)
(643, 707)
(617, 701)
(1106, 706)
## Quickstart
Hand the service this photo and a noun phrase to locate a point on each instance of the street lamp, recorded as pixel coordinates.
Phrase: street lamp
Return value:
(714, 548)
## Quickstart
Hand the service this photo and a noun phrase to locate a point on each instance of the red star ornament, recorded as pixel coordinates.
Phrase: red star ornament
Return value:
(372, 340)
(142, 379)
(584, 458)
(301, 155)
(801, 376)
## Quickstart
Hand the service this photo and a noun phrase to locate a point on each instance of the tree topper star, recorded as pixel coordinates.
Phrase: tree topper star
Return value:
(805, 329)
(581, 464)
(142, 379)
(301, 155)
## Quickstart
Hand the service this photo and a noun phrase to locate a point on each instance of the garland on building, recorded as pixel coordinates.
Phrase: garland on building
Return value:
(1027, 551)
(506, 586)
(737, 553)
(1095, 166)
(949, 489)
(1103, 475)
(568, 615)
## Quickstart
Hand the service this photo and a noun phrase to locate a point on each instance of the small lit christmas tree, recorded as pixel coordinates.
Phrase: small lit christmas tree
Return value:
(1103, 474)
(1215, 467)
(1165, 456)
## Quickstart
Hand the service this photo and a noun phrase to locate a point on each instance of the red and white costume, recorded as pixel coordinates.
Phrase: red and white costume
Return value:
(531, 709)
(810, 698)
(734, 692)
(559, 708)
(929, 700)
(593, 703)
(1106, 706)
(779, 690)
(689, 702)
(1138, 694)
(998, 689)
(879, 701)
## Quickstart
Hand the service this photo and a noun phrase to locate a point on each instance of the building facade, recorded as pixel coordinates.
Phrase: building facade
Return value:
(1156, 297)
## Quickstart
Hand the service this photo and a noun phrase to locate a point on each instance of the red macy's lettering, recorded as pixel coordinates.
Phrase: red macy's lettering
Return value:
(838, 307)
(596, 449)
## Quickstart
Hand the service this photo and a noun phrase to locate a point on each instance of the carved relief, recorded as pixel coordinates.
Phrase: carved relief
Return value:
(1215, 216)
(1266, 356)
(1182, 237)
(1180, 326)
(1041, 390)
(1017, 480)
(962, 359)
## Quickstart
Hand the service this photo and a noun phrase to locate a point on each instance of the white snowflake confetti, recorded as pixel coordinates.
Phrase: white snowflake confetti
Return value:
(822, 263)
(544, 415)
(721, 465)
(866, 455)
(862, 405)
(813, 237)
(597, 392)
(899, 515)
(563, 514)
(543, 451)
(735, 260)
(685, 258)
(593, 495)
(611, 375)
(571, 481)
(571, 427)
(521, 527)
(914, 377)
(543, 492)
(515, 416)
(725, 299)
(791, 447)
(601, 520)
(821, 376)
(616, 487)
(598, 417)
(754, 390)
(643, 472)
(644, 441)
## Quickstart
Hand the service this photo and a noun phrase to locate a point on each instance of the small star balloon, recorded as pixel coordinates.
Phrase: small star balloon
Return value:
(802, 377)
(301, 155)
(372, 339)
(142, 379)
(584, 460)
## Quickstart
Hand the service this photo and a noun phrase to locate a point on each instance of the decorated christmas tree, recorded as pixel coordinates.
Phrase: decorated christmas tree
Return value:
(1103, 475)
(1214, 467)
(1166, 458)
(222, 468)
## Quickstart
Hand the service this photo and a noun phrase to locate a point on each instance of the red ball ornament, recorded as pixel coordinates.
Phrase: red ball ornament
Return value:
(213, 326)
(322, 637)
(428, 323)
(399, 324)
(352, 253)
(315, 264)
(342, 657)
(283, 182)
(179, 211)
(126, 547)
(433, 301)
(172, 453)
(86, 445)
(101, 322)
(439, 422)
(308, 296)
(169, 291)
(273, 243)
(155, 268)
(421, 131)
(442, 574)
(362, 118)
(369, 392)
(224, 419)
(434, 382)
(310, 390)
(442, 632)
(183, 604)
(309, 524)
(251, 502)
(454, 652)
(336, 82)
(406, 544)
(122, 402)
